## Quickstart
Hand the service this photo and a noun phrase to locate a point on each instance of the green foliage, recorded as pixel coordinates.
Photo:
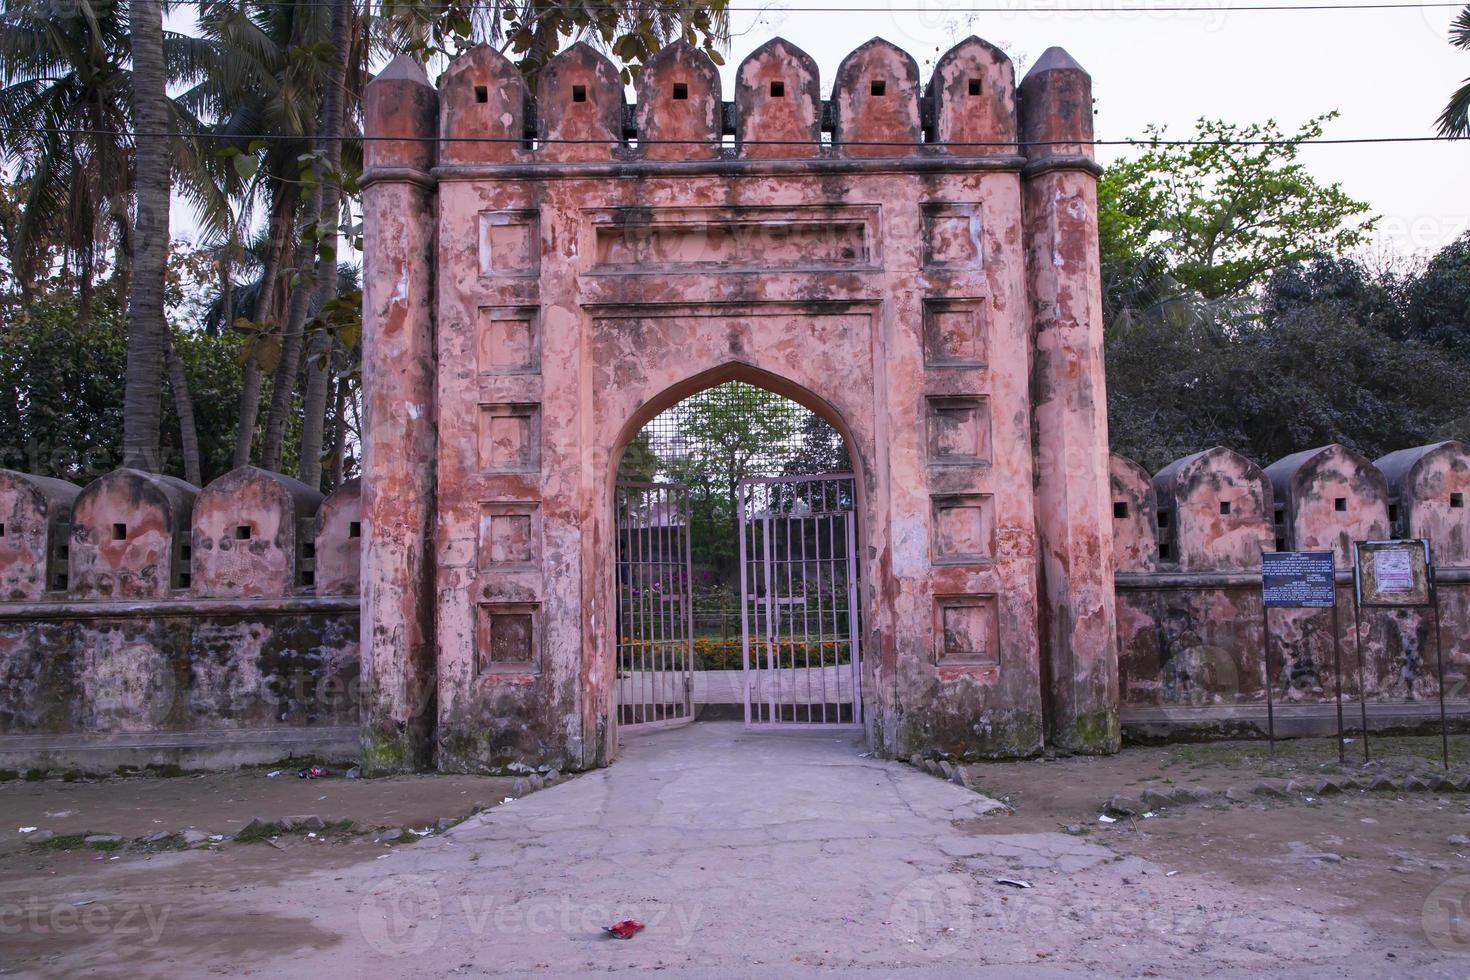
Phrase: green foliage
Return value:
(1455, 120)
(533, 31)
(730, 432)
(1330, 354)
(212, 366)
(639, 464)
(1227, 213)
(1439, 298)
(62, 387)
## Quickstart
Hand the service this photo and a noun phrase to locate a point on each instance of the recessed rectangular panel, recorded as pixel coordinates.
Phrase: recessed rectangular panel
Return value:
(952, 239)
(956, 333)
(738, 239)
(508, 341)
(963, 528)
(510, 534)
(959, 429)
(508, 638)
(510, 438)
(510, 243)
(967, 630)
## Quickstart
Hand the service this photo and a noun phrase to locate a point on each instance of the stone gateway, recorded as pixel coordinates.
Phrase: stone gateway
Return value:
(915, 260)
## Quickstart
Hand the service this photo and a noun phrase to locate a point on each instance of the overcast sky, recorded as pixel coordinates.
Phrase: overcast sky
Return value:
(1388, 72)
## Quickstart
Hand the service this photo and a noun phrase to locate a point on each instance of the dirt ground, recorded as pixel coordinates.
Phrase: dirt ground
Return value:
(223, 803)
(1379, 866)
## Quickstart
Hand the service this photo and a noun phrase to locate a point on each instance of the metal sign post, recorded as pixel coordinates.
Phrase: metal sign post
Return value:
(1298, 580)
(1398, 575)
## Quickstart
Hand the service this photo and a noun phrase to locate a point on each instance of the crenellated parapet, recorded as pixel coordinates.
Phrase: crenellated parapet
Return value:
(879, 108)
(1325, 499)
(339, 541)
(136, 536)
(146, 621)
(35, 531)
(1135, 517)
(1428, 489)
(130, 537)
(1213, 512)
(1190, 623)
(252, 535)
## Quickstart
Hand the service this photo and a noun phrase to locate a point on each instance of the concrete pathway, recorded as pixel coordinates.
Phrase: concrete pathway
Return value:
(781, 854)
(755, 853)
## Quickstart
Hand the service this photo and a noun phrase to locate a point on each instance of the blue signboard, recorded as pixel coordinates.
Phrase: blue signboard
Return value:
(1298, 579)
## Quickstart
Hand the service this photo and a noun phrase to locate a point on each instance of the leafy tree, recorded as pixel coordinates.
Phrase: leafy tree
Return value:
(1439, 298)
(639, 463)
(726, 434)
(61, 393)
(1328, 355)
(1226, 213)
(1455, 120)
(532, 31)
(820, 449)
(66, 94)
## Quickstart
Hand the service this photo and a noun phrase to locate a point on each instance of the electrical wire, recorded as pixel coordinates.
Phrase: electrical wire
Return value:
(1130, 141)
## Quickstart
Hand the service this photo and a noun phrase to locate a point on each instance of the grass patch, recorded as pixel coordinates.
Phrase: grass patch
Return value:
(259, 832)
(76, 842)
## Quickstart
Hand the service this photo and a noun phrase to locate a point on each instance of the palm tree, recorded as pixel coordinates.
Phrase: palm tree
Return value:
(319, 242)
(152, 186)
(272, 88)
(1455, 120)
(66, 97)
(329, 146)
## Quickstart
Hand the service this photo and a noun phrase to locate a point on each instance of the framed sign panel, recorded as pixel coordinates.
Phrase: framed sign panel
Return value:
(1392, 573)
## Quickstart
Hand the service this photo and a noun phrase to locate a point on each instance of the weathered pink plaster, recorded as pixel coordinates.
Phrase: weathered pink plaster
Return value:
(1135, 516)
(130, 536)
(1429, 489)
(249, 527)
(1213, 512)
(1327, 498)
(339, 541)
(35, 516)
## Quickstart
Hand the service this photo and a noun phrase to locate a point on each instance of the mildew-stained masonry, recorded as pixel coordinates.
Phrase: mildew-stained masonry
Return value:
(914, 260)
(591, 265)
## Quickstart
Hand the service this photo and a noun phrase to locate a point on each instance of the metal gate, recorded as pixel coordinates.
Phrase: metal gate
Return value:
(655, 620)
(799, 602)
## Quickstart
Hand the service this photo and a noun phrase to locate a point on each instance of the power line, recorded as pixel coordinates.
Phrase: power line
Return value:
(1130, 141)
(939, 8)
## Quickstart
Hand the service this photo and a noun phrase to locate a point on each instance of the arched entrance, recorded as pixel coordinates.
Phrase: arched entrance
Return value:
(737, 582)
(527, 309)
